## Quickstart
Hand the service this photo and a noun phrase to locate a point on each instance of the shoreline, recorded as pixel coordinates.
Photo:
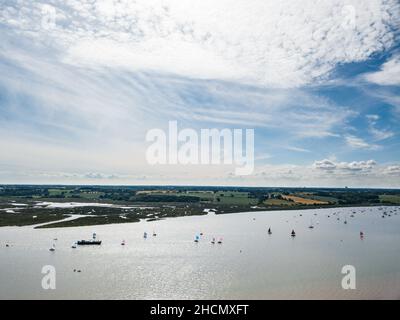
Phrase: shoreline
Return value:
(80, 220)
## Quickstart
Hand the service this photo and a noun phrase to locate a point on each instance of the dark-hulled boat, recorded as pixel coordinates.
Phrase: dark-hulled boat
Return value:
(88, 242)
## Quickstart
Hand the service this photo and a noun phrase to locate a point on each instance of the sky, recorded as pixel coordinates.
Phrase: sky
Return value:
(83, 81)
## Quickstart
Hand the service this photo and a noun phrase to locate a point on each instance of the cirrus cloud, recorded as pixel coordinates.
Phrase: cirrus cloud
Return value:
(285, 43)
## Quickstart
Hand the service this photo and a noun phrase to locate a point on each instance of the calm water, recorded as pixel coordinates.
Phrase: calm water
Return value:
(250, 264)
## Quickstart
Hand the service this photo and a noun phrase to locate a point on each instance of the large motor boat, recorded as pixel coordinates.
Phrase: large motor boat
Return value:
(89, 242)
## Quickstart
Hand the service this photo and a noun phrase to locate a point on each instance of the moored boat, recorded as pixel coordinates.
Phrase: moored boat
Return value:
(88, 242)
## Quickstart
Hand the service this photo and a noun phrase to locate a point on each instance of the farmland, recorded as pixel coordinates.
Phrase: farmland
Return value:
(90, 205)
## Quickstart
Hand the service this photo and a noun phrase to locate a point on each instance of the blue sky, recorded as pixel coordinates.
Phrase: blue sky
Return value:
(81, 82)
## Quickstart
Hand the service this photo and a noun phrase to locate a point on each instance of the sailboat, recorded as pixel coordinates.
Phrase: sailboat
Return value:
(73, 245)
(197, 238)
(213, 241)
(145, 235)
(311, 225)
(293, 234)
(154, 234)
(220, 241)
(269, 231)
(53, 248)
(123, 243)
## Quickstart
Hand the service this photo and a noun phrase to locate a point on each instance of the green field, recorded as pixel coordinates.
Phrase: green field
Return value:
(234, 198)
(395, 199)
(221, 197)
(319, 198)
(129, 204)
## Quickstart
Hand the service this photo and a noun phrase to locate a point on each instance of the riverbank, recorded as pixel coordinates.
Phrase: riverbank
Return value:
(50, 214)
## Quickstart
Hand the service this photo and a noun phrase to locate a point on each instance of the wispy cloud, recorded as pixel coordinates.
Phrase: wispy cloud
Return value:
(359, 143)
(378, 134)
(389, 75)
(223, 40)
(82, 82)
(297, 149)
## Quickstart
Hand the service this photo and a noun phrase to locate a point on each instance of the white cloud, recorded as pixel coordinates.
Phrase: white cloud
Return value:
(388, 75)
(297, 149)
(357, 165)
(275, 43)
(373, 117)
(358, 143)
(393, 170)
(322, 173)
(378, 134)
(81, 94)
(331, 165)
(325, 164)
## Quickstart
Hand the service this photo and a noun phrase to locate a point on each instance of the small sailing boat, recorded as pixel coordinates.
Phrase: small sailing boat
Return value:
(73, 245)
(123, 243)
(213, 241)
(269, 231)
(196, 239)
(311, 226)
(293, 234)
(145, 235)
(53, 248)
(220, 241)
(361, 234)
(154, 234)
